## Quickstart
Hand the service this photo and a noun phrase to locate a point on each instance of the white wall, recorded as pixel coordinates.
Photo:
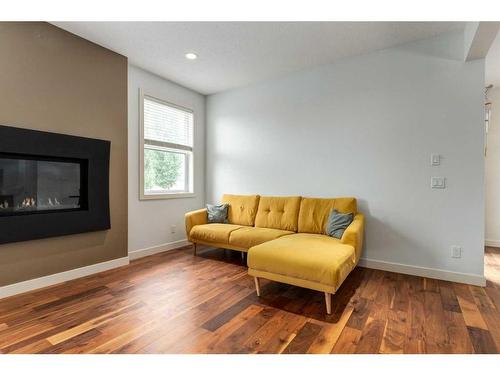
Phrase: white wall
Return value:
(493, 172)
(366, 127)
(150, 221)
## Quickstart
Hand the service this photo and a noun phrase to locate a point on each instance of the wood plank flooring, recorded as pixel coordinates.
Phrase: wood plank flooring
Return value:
(177, 303)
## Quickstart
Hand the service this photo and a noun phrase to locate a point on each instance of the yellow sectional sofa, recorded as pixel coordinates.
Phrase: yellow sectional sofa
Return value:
(285, 239)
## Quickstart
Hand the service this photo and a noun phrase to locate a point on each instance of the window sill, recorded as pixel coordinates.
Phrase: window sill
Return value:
(148, 197)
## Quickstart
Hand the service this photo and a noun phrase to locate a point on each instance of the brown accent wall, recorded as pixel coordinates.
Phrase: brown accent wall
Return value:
(55, 81)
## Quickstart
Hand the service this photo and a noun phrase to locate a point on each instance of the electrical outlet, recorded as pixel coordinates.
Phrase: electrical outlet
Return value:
(173, 228)
(456, 252)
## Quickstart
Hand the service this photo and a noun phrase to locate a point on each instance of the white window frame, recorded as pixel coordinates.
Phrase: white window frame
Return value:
(189, 151)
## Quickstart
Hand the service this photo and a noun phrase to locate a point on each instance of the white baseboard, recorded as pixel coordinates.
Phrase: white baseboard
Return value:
(433, 273)
(42, 282)
(136, 254)
(492, 243)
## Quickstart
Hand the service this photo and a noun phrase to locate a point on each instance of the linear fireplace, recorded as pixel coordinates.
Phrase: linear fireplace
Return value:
(51, 184)
(33, 184)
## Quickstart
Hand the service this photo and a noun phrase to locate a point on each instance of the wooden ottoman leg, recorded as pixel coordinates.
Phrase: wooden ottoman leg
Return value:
(328, 300)
(194, 248)
(257, 285)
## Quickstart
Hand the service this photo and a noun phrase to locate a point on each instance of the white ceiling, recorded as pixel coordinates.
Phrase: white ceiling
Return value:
(233, 54)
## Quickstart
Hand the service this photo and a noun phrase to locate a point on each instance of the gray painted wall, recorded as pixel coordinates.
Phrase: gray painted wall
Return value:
(150, 221)
(366, 127)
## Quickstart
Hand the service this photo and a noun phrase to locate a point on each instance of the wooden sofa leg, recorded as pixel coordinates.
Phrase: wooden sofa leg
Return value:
(194, 248)
(328, 301)
(257, 285)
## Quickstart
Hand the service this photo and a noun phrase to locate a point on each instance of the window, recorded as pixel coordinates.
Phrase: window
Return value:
(166, 149)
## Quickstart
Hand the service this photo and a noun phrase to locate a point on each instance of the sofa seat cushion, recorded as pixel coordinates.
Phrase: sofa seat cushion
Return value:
(317, 259)
(247, 237)
(218, 233)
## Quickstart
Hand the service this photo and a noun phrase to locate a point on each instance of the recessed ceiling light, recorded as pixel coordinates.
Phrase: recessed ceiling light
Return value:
(191, 56)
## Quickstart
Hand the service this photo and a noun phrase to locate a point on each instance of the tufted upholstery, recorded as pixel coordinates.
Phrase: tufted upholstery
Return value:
(314, 212)
(242, 208)
(266, 227)
(278, 213)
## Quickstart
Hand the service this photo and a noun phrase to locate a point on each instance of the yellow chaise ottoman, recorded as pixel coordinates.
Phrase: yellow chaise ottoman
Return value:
(310, 258)
(307, 260)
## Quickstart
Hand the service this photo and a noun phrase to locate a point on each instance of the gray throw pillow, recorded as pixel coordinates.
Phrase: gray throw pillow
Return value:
(217, 213)
(338, 223)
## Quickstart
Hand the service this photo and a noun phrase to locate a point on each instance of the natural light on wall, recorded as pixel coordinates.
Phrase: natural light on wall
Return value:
(166, 149)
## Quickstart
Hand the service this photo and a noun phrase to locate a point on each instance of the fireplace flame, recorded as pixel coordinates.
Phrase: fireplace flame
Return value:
(30, 202)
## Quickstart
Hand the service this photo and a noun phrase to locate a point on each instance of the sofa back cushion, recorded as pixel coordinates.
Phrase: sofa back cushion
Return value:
(242, 208)
(314, 212)
(278, 213)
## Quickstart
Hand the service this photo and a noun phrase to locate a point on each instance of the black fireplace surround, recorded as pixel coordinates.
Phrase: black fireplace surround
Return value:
(51, 184)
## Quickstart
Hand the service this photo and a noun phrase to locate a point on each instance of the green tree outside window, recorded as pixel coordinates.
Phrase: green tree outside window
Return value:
(161, 169)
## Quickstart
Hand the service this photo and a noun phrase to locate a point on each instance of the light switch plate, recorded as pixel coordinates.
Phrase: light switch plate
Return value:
(435, 159)
(438, 182)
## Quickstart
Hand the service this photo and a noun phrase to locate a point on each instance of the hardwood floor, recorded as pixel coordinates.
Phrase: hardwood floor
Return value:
(176, 303)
